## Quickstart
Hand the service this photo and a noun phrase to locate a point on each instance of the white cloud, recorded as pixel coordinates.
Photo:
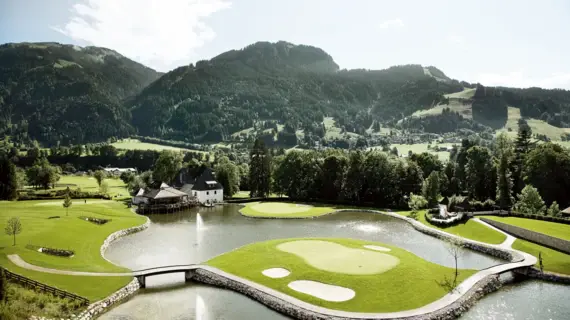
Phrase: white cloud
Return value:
(394, 23)
(159, 33)
(520, 80)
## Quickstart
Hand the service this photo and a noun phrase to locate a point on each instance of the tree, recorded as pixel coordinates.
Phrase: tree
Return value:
(100, 175)
(227, 173)
(104, 188)
(3, 285)
(554, 210)
(547, 167)
(8, 180)
(504, 153)
(354, 177)
(430, 189)
(455, 248)
(167, 166)
(416, 203)
(428, 162)
(522, 147)
(67, 202)
(259, 170)
(479, 173)
(127, 177)
(13, 227)
(530, 201)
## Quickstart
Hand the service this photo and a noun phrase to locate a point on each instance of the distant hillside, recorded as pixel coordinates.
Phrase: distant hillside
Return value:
(63, 93)
(287, 94)
(290, 84)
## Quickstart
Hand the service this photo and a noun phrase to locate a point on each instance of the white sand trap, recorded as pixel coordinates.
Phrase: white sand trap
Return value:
(334, 257)
(280, 208)
(276, 273)
(323, 291)
(377, 248)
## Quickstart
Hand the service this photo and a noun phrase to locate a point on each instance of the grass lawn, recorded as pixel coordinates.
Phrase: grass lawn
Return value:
(66, 232)
(245, 195)
(284, 210)
(470, 230)
(89, 184)
(554, 261)
(552, 229)
(467, 93)
(382, 286)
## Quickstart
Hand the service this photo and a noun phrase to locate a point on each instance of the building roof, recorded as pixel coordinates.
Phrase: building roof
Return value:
(566, 211)
(203, 180)
(165, 191)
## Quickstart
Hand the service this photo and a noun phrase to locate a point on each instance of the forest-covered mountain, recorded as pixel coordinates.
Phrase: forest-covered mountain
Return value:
(53, 92)
(293, 84)
(69, 94)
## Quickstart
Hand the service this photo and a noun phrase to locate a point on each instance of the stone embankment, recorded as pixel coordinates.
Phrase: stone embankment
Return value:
(532, 236)
(121, 233)
(101, 306)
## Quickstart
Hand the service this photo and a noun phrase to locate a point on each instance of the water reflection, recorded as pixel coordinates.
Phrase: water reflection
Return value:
(529, 300)
(198, 235)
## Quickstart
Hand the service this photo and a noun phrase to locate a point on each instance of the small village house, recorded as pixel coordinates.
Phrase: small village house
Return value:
(118, 171)
(202, 185)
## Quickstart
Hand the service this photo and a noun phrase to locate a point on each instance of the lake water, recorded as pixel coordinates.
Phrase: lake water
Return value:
(197, 235)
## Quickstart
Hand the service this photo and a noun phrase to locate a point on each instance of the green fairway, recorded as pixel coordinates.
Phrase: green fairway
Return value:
(552, 229)
(393, 280)
(41, 229)
(89, 184)
(283, 210)
(470, 230)
(554, 261)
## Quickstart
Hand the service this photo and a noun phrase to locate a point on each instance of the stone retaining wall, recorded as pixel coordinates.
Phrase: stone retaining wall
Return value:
(532, 236)
(452, 311)
(101, 306)
(121, 233)
(546, 276)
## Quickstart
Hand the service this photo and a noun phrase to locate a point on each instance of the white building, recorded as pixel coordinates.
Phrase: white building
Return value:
(117, 171)
(203, 186)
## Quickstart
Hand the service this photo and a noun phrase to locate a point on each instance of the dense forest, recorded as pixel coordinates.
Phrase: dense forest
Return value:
(62, 94)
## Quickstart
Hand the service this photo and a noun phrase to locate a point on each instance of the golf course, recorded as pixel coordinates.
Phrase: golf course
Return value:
(284, 210)
(341, 274)
(46, 224)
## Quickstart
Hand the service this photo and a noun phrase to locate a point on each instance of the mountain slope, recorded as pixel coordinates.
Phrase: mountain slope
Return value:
(298, 85)
(67, 94)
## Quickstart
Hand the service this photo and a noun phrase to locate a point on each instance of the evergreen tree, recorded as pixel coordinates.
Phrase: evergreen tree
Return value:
(8, 180)
(504, 154)
(430, 189)
(522, 147)
(479, 173)
(259, 170)
(554, 210)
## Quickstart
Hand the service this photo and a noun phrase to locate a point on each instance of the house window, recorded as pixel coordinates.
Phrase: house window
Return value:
(195, 194)
(215, 192)
(207, 193)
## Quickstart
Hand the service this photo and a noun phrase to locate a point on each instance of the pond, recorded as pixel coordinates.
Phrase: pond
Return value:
(197, 235)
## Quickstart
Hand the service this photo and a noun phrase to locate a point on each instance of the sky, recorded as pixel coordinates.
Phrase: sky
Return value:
(518, 43)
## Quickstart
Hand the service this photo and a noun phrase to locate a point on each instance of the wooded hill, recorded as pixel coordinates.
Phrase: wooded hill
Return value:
(53, 92)
(69, 94)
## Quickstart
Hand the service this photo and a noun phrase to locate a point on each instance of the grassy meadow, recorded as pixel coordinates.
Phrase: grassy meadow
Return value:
(470, 230)
(46, 224)
(552, 229)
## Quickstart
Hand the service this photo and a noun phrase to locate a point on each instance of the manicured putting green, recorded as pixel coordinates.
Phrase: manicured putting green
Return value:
(334, 257)
(283, 210)
(319, 267)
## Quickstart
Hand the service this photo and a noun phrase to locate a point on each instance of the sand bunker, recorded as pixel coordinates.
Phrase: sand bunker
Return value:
(334, 257)
(377, 248)
(323, 291)
(280, 208)
(276, 273)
